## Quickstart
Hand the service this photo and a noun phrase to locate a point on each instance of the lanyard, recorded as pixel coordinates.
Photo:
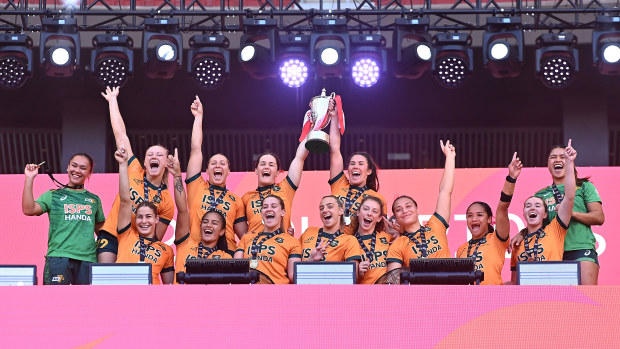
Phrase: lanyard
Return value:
(422, 245)
(208, 252)
(213, 202)
(556, 194)
(256, 246)
(335, 235)
(261, 196)
(370, 254)
(349, 201)
(146, 189)
(481, 241)
(143, 249)
(528, 252)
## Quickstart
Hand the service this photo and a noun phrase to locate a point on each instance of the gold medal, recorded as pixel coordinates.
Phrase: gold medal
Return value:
(347, 220)
(253, 263)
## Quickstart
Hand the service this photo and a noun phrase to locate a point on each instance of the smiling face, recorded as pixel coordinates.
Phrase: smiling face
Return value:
(155, 161)
(534, 212)
(267, 170)
(330, 212)
(478, 221)
(79, 170)
(406, 213)
(557, 163)
(146, 221)
(218, 170)
(368, 216)
(272, 213)
(358, 170)
(211, 228)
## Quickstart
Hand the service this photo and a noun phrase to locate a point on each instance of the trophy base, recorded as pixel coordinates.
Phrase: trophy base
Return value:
(317, 142)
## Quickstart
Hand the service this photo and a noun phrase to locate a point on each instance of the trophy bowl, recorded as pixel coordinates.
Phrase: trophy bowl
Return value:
(317, 141)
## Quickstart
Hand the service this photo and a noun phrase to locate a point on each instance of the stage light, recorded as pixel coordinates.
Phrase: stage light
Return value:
(59, 47)
(15, 60)
(162, 47)
(557, 59)
(606, 45)
(453, 61)
(294, 68)
(502, 48)
(111, 60)
(411, 42)
(368, 59)
(208, 61)
(258, 46)
(329, 47)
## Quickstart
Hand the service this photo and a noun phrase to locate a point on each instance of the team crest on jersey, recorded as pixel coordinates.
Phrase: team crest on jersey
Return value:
(276, 188)
(157, 199)
(383, 240)
(334, 243)
(279, 240)
(216, 257)
(90, 200)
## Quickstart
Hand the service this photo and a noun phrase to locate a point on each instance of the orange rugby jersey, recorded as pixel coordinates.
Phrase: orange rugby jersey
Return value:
(199, 199)
(253, 203)
(403, 249)
(340, 187)
(343, 248)
(550, 244)
(187, 248)
(273, 254)
(158, 253)
(164, 203)
(378, 266)
(490, 256)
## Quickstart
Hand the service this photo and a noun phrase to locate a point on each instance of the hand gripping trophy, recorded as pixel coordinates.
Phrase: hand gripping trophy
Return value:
(317, 118)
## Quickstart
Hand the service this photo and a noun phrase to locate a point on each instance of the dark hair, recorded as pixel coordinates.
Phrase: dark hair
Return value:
(268, 153)
(487, 210)
(545, 220)
(379, 226)
(221, 241)
(403, 197)
(277, 197)
(147, 204)
(372, 181)
(579, 181)
(91, 162)
(225, 157)
(339, 203)
(164, 178)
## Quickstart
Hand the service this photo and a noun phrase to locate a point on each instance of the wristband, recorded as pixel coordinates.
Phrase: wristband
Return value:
(510, 179)
(505, 197)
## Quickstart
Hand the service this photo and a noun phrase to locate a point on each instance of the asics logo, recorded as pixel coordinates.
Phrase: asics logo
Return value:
(587, 253)
(63, 198)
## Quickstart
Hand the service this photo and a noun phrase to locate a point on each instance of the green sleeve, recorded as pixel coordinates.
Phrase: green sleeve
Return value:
(100, 217)
(590, 193)
(45, 201)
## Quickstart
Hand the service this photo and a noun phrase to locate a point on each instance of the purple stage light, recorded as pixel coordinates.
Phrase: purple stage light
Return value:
(365, 72)
(293, 72)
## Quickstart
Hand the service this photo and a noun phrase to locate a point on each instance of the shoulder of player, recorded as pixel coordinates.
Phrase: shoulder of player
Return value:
(309, 232)
(163, 247)
(384, 235)
(234, 197)
(543, 191)
(248, 196)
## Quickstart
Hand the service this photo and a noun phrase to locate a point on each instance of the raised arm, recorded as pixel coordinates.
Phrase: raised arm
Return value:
(124, 209)
(29, 206)
(180, 198)
(565, 211)
(194, 165)
(336, 163)
(501, 215)
(297, 165)
(118, 125)
(447, 181)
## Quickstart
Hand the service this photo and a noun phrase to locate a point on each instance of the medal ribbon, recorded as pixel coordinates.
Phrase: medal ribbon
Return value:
(528, 252)
(370, 254)
(348, 203)
(146, 189)
(208, 252)
(481, 241)
(143, 247)
(260, 195)
(213, 202)
(318, 240)
(256, 246)
(421, 244)
(556, 194)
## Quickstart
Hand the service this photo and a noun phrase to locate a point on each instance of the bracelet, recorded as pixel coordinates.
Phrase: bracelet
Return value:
(510, 179)
(505, 197)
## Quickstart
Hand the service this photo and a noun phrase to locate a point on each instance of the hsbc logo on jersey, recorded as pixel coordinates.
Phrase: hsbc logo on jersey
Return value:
(77, 212)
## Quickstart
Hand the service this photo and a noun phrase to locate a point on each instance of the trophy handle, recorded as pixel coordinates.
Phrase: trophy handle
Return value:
(333, 95)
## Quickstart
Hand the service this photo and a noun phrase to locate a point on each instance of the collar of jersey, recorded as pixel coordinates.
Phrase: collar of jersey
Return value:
(152, 186)
(475, 241)
(358, 188)
(265, 187)
(367, 237)
(267, 233)
(148, 239)
(217, 187)
(326, 235)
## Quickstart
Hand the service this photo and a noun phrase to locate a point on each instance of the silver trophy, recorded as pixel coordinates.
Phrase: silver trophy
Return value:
(315, 120)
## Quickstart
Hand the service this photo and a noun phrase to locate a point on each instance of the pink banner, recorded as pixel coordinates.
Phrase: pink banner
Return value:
(24, 239)
(305, 316)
